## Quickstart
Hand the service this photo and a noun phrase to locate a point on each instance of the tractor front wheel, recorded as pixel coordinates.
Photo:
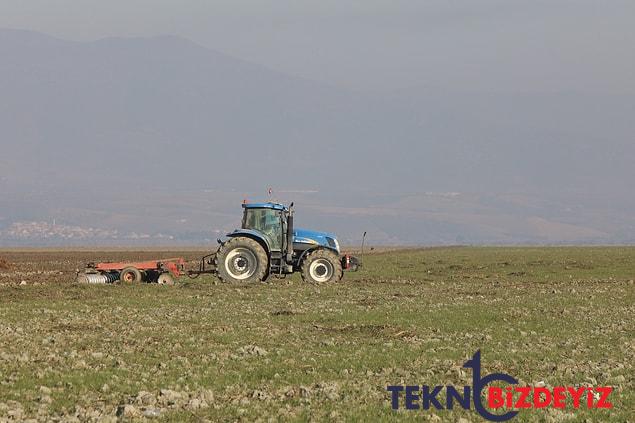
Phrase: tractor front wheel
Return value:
(321, 266)
(241, 260)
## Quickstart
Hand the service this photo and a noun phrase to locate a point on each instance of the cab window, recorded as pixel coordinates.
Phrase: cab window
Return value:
(266, 221)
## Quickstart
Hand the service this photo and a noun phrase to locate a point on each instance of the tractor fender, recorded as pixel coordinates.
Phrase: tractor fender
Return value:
(255, 235)
(310, 250)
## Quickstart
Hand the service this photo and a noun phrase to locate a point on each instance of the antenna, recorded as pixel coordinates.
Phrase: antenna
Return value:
(363, 241)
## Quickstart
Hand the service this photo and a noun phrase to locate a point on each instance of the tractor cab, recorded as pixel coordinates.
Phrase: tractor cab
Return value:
(269, 219)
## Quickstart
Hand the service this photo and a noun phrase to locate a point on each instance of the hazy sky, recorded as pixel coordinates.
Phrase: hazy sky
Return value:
(525, 107)
(384, 46)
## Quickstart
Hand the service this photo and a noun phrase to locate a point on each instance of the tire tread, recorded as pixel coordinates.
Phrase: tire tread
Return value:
(325, 254)
(263, 261)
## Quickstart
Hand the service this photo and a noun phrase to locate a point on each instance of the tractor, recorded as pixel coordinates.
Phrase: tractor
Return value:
(267, 244)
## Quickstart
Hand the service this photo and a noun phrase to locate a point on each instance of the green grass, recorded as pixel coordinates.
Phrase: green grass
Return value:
(559, 315)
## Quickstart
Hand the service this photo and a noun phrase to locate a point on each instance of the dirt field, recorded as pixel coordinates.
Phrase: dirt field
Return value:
(206, 351)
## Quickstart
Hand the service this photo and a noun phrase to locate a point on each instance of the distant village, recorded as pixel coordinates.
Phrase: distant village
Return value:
(37, 232)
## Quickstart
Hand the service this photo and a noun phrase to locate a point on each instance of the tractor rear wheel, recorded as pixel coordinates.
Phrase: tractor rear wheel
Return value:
(321, 266)
(241, 259)
(130, 275)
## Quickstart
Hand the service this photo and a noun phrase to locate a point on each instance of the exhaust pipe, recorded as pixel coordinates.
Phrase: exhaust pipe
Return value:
(289, 258)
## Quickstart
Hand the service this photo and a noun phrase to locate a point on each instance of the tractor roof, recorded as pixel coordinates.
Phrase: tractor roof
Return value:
(274, 206)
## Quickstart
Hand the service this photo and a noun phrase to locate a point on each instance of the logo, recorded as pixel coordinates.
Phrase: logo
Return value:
(510, 399)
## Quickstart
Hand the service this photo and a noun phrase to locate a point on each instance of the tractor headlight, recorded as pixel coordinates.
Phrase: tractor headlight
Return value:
(333, 243)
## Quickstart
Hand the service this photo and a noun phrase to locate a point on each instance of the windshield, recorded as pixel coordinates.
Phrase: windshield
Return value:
(266, 221)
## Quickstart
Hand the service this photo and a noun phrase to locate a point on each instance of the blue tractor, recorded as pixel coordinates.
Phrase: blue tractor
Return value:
(267, 244)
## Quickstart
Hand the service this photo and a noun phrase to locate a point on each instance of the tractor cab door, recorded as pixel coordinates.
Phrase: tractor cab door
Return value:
(269, 222)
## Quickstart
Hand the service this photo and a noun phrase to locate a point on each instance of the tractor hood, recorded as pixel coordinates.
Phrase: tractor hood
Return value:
(324, 239)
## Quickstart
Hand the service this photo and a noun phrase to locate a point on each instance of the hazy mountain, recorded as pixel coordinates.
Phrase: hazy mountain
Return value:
(164, 111)
(162, 136)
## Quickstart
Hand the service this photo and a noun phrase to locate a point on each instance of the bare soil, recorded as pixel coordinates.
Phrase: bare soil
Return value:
(4, 265)
(205, 351)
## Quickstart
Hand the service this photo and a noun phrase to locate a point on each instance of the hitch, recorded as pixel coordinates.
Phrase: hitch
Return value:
(350, 263)
(207, 265)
